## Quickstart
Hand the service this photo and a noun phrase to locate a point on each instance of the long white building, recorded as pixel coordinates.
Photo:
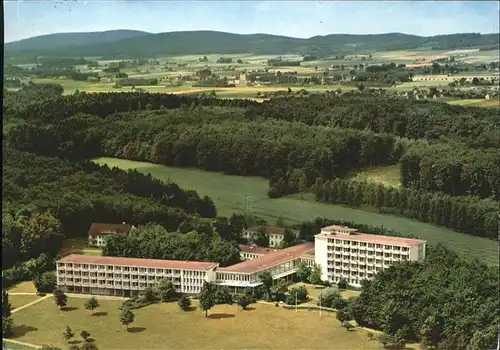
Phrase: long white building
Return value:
(343, 252)
(104, 275)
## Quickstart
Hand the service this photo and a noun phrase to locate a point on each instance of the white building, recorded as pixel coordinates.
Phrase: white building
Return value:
(281, 264)
(343, 252)
(103, 275)
(98, 232)
(252, 251)
(276, 234)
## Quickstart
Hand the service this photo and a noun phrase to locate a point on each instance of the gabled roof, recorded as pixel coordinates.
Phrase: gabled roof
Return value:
(106, 229)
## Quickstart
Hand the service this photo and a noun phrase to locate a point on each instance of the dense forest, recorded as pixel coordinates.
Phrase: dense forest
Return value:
(46, 199)
(448, 154)
(136, 44)
(445, 303)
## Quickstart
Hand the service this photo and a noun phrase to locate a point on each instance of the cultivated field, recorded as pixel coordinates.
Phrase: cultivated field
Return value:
(164, 326)
(228, 192)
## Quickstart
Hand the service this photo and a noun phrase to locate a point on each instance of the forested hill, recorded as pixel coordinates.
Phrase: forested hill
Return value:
(62, 40)
(211, 42)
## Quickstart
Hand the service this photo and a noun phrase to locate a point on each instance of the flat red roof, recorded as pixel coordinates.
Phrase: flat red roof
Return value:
(339, 228)
(377, 239)
(269, 260)
(149, 263)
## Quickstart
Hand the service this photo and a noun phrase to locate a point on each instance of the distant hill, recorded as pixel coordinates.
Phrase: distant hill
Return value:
(133, 44)
(62, 40)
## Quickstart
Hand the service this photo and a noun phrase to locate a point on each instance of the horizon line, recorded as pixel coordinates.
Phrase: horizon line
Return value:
(217, 31)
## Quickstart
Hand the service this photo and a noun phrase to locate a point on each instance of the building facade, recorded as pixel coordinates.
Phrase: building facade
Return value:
(276, 234)
(128, 276)
(340, 252)
(98, 232)
(252, 251)
(343, 252)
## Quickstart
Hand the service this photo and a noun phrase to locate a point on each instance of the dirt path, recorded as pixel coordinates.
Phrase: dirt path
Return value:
(32, 303)
(7, 341)
(21, 293)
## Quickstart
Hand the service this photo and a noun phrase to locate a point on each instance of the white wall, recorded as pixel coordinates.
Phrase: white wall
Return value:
(321, 255)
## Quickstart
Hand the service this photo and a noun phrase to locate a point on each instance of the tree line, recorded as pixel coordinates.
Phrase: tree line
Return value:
(452, 168)
(466, 214)
(154, 242)
(383, 114)
(260, 147)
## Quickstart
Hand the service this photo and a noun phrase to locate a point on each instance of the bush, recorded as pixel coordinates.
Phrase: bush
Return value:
(329, 297)
(46, 282)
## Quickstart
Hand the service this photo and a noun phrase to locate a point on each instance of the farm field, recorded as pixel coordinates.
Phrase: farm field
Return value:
(70, 86)
(228, 192)
(165, 326)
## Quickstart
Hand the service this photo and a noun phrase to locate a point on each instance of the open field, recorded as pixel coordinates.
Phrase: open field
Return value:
(78, 246)
(385, 175)
(163, 325)
(228, 192)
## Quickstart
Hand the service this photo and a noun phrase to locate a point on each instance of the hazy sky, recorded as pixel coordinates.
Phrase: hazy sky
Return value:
(303, 19)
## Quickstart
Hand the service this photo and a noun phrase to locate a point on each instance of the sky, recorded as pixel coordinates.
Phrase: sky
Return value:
(301, 19)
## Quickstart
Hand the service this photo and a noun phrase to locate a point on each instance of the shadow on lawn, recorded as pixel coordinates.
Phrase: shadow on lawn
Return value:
(136, 329)
(249, 308)
(74, 342)
(192, 308)
(69, 308)
(220, 316)
(19, 331)
(102, 313)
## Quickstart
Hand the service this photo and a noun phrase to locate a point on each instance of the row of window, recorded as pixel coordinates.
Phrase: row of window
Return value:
(363, 252)
(128, 269)
(362, 258)
(369, 245)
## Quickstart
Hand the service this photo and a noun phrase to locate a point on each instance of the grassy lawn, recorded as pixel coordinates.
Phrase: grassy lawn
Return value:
(78, 246)
(228, 192)
(23, 287)
(314, 291)
(16, 301)
(13, 346)
(386, 175)
(165, 326)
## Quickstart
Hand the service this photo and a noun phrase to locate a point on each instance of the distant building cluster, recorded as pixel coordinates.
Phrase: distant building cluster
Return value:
(341, 252)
